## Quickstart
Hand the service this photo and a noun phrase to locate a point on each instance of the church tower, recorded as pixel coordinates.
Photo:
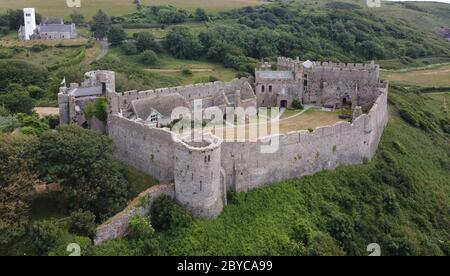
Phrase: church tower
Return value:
(29, 15)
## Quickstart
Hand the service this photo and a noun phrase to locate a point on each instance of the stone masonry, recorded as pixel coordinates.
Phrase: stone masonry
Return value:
(203, 172)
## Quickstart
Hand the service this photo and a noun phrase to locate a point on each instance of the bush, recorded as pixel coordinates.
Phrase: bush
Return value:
(140, 228)
(297, 104)
(129, 48)
(8, 124)
(17, 99)
(146, 41)
(97, 108)
(82, 223)
(44, 235)
(166, 215)
(186, 71)
(148, 57)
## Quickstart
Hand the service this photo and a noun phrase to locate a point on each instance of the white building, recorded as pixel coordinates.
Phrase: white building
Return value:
(30, 22)
(49, 29)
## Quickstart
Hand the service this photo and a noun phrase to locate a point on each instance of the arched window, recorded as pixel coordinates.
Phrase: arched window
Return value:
(263, 88)
(270, 88)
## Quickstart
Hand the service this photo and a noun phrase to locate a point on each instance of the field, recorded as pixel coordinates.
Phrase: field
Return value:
(59, 8)
(439, 76)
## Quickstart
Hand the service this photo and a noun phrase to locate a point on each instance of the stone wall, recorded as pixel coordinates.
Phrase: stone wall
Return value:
(304, 153)
(199, 184)
(148, 149)
(117, 226)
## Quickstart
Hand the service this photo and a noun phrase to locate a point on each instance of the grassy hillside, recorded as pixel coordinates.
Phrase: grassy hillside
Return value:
(399, 200)
(58, 8)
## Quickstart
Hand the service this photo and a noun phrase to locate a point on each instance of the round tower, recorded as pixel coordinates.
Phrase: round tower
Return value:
(199, 182)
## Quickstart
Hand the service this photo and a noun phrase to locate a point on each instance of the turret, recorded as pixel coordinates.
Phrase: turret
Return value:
(199, 182)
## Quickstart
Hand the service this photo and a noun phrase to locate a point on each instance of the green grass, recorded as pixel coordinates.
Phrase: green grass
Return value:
(58, 8)
(138, 181)
(174, 67)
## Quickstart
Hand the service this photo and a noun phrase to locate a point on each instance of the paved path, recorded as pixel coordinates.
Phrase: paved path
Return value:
(103, 52)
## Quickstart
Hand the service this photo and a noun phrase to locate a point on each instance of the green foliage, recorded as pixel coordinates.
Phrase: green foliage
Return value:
(32, 125)
(17, 99)
(182, 44)
(20, 71)
(82, 161)
(166, 214)
(200, 15)
(116, 35)
(82, 223)
(146, 41)
(140, 228)
(148, 57)
(101, 24)
(17, 178)
(44, 235)
(77, 18)
(129, 48)
(74, 60)
(97, 108)
(8, 124)
(297, 104)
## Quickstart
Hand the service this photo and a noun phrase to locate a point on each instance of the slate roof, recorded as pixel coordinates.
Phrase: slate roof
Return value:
(55, 28)
(87, 91)
(275, 74)
(164, 104)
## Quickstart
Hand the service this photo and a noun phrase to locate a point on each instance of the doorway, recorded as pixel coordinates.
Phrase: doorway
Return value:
(283, 104)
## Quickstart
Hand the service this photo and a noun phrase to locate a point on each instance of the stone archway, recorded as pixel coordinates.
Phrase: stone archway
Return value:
(283, 104)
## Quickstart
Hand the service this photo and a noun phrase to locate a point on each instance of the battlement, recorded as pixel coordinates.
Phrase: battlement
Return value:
(288, 63)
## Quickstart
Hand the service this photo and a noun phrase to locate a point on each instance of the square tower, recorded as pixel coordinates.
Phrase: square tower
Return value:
(29, 15)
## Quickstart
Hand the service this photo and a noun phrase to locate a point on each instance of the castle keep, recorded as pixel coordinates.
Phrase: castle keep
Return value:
(203, 172)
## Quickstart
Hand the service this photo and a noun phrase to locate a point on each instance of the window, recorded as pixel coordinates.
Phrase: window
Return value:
(28, 14)
(262, 89)
(154, 118)
(201, 185)
(209, 158)
(270, 88)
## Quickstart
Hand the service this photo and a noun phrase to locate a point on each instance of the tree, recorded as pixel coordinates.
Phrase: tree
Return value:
(146, 41)
(116, 35)
(82, 161)
(129, 48)
(140, 228)
(77, 18)
(17, 99)
(200, 15)
(20, 71)
(15, 18)
(182, 44)
(82, 223)
(100, 25)
(17, 181)
(148, 57)
(44, 235)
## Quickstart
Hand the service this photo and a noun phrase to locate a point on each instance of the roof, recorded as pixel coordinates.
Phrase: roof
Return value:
(163, 104)
(308, 64)
(275, 74)
(86, 91)
(55, 28)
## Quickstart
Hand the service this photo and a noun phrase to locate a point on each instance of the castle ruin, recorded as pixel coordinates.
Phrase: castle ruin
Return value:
(203, 172)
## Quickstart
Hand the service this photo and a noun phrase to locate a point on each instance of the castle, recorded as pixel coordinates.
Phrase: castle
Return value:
(49, 29)
(204, 171)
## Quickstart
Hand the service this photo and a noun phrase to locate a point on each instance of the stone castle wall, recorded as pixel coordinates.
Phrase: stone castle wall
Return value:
(208, 92)
(117, 226)
(245, 167)
(304, 153)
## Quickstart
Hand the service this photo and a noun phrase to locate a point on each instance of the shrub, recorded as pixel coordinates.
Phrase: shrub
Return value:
(148, 57)
(129, 48)
(165, 214)
(8, 124)
(140, 228)
(186, 71)
(97, 108)
(82, 223)
(297, 104)
(44, 235)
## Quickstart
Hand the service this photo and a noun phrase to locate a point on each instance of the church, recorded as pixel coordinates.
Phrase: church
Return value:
(48, 29)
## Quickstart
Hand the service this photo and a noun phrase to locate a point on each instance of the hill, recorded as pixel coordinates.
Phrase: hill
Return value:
(58, 8)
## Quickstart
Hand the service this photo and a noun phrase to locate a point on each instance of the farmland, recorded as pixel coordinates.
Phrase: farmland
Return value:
(59, 8)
